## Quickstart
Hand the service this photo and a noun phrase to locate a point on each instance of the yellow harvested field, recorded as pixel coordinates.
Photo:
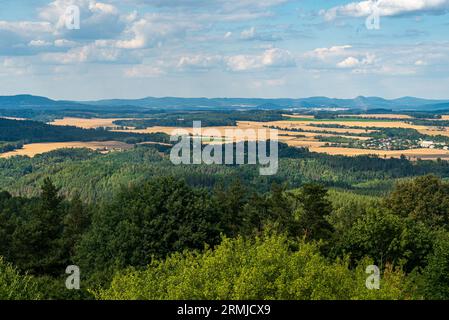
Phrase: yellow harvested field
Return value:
(87, 123)
(433, 131)
(33, 149)
(308, 137)
(310, 128)
(379, 116)
(222, 132)
(374, 124)
(227, 132)
(414, 154)
(303, 116)
(306, 143)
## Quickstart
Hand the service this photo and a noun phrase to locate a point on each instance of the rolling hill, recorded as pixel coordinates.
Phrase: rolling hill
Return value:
(30, 102)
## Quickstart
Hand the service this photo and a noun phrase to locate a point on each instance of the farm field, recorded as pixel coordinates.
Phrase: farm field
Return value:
(381, 116)
(412, 154)
(84, 123)
(34, 149)
(368, 123)
(298, 131)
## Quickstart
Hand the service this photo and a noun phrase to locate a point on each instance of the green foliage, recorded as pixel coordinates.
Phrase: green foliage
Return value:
(207, 118)
(313, 211)
(14, 286)
(328, 237)
(347, 208)
(266, 268)
(424, 199)
(97, 177)
(387, 238)
(10, 146)
(33, 131)
(435, 276)
(159, 217)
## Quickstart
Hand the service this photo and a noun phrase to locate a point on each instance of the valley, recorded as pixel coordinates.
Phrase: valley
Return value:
(317, 134)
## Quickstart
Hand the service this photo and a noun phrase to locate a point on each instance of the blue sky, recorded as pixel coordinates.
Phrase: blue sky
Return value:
(225, 48)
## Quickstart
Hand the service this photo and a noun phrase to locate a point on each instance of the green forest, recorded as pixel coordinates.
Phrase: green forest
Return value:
(28, 131)
(139, 227)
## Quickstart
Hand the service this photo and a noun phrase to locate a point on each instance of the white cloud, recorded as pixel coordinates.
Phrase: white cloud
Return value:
(420, 63)
(64, 43)
(243, 62)
(223, 5)
(249, 33)
(39, 43)
(387, 8)
(278, 58)
(98, 19)
(199, 62)
(324, 53)
(274, 57)
(18, 37)
(149, 31)
(268, 84)
(349, 62)
(90, 54)
(15, 67)
(352, 62)
(144, 71)
(26, 28)
(253, 34)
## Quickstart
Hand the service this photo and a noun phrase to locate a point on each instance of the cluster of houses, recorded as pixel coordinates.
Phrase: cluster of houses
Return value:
(433, 145)
(401, 144)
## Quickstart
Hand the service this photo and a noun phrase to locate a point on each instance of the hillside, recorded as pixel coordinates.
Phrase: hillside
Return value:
(33, 131)
(29, 102)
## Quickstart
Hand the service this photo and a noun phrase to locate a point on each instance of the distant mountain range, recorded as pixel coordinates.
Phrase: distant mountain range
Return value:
(171, 103)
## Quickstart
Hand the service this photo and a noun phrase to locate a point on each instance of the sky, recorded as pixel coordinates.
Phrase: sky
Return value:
(224, 48)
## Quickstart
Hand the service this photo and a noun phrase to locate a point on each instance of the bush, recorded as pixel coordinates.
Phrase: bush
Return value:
(264, 268)
(14, 286)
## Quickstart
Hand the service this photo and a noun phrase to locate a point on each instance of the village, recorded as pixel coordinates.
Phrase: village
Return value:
(393, 144)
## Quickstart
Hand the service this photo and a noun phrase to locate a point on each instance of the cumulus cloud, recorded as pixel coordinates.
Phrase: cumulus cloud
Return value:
(64, 43)
(224, 5)
(324, 53)
(387, 8)
(26, 28)
(18, 37)
(397, 60)
(268, 83)
(98, 19)
(39, 43)
(349, 62)
(253, 34)
(144, 71)
(353, 62)
(274, 58)
(149, 31)
(91, 54)
(270, 58)
(200, 62)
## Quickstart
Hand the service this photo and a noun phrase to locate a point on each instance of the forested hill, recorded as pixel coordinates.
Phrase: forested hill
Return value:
(28, 131)
(36, 103)
(96, 176)
(162, 239)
